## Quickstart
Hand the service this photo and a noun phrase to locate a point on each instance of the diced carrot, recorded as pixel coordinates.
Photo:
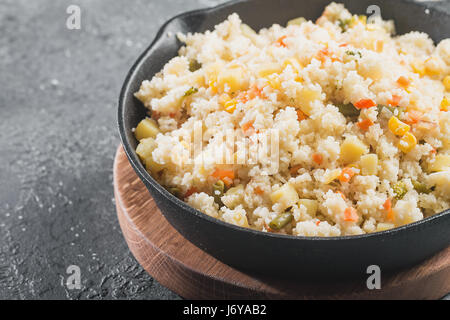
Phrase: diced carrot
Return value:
(387, 205)
(346, 174)
(390, 215)
(300, 115)
(364, 104)
(403, 81)
(248, 128)
(156, 115)
(280, 41)
(222, 174)
(228, 181)
(365, 124)
(172, 115)
(317, 158)
(318, 222)
(395, 100)
(258, 190)
(350, 214)
(343, 44)
(190, 192)
(414, 116)
(295, 169)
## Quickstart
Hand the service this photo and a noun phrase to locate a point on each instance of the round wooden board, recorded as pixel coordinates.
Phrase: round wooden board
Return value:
(193, 274)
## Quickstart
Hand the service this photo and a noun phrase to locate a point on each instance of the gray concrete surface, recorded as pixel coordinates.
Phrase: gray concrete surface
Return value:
(58, 136)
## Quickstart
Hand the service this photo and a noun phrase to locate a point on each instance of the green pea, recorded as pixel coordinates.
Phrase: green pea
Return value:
(218, 189)
(191, 91)
(281, 221)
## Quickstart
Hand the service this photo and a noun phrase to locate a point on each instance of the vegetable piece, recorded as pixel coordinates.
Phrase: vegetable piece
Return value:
(350, 214)
(369, 164)
(348, 110)
(286, 196)
(300, 115)
(441, 163)
(352, 149)
(175, 191)
(365, 124)
(280, 41)
(400, 190)
(446, 83)
(234, 196)
(294, 170)
(218, 189)
(389, 211)
(296, 22)
(305, 98)
(330, 176)
(190, 192)
(227, 176)
(230, 106)
(247, 128)
(445, 103)
(267, 69)
(232, 79)
(344, 24)
(382, 226)
(190, 92)
(194, 65)
(353, 53)
(365, 104)
(310, 205)
(147, 128)
(418, 67)
(346, 175)
(420, 187)
(144, 150)
(407, 142)
(404, 82)
(395, 100)
(281, 221)
(258, 190)
(317, 158)
(398, 127)
(414, 116)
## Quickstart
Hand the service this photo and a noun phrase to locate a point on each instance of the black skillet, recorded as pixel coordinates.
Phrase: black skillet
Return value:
(267, 253)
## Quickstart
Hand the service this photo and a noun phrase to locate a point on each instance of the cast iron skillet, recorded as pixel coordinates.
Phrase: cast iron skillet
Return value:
(266, 253)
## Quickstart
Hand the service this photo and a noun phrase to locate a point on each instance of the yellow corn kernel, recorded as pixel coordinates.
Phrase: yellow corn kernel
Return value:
(331, 175)
(310, 205)
(397, 127)
(213, 86)
(407, 142)
(352, 149)
(445, 104)
(432, 66)
(441, 163)
(418, 67)
(224, 98)
(446, 83)
(369, 164)
(296, 21)
(286, 196)
(147, 128)
(230, 105)
(384, 226)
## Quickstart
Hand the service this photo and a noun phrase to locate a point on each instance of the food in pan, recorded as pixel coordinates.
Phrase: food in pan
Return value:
(355, 120)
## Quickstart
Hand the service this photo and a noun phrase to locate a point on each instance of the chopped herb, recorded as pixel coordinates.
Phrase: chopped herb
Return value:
(353, 53)
(281, 221)
(191, 91)
(348, 110)
(194, 65)
(344, 24)
(420, 187)
(175, 191)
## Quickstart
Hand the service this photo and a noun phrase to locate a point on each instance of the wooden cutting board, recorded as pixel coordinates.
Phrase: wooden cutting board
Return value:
(193, 274)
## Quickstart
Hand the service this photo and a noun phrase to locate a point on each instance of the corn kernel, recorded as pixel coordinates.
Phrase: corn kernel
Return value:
(213, 86)
(230, 105)
(445, 103)
(446, 83)
(407, 142)
(397, 127)
(224, 98)
(432, 66)
(418, 67)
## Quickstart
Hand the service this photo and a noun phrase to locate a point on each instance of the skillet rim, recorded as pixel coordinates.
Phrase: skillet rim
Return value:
(149, 180)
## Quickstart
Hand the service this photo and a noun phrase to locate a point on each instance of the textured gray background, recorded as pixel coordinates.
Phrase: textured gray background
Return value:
(58, 136)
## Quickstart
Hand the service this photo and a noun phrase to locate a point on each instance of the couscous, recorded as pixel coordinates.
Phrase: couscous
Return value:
(357, 120)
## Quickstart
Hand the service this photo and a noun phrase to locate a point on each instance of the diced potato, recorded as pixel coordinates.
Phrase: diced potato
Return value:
(385, 226)
(234, 196)
(267, 69)
(310, 205)
(286, 196)
(352, 149)
(144, 151)
(305, 98)
(238, 219)
(297, 21)
(331, 175)
(441, 163)
(369, 164)
(147, 128)
(231, 80)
